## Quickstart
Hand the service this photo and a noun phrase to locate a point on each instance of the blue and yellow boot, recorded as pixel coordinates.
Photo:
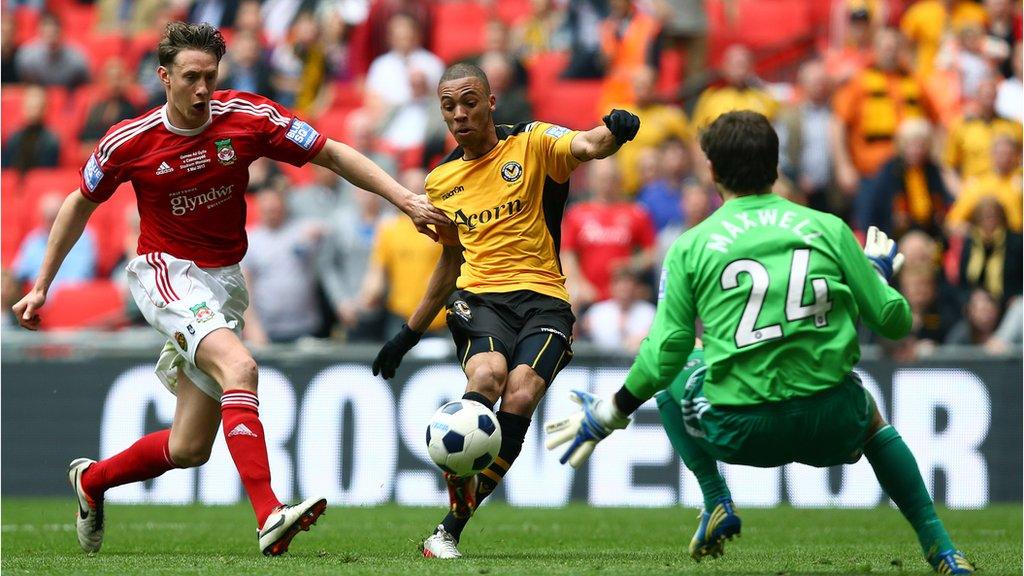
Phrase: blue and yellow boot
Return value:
(716, 526)
(950, 562)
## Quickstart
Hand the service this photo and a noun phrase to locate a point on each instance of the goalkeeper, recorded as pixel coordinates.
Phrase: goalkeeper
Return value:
(779, 289)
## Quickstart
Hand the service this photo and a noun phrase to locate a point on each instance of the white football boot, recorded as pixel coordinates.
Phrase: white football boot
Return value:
(285, 522)
(89, 519)
(441, 544)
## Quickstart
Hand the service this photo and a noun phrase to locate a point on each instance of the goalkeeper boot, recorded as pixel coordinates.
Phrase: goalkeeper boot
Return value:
(716, 526)
(89, 520)
(461, 494)
(950, 562)
(441, 544)
(285, 522)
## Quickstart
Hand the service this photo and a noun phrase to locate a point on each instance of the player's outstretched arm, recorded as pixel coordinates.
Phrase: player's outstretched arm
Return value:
(868, 271)
(441, 284)
(619, 127)
(363, 173)
(67, 229)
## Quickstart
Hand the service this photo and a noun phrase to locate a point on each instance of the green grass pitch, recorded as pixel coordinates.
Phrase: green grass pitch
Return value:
(39, 538)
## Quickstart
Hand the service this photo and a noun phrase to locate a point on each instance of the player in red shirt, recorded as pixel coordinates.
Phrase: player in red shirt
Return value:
(602, 234)
(188, 163)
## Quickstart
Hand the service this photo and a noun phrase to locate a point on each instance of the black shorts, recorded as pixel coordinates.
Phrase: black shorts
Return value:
(524, 326)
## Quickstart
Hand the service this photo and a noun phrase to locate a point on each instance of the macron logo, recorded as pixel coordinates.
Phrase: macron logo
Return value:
(164, 169)
(242, 430)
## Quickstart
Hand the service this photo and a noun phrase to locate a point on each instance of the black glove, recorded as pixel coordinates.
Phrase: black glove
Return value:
(623, 125)
(390, 355)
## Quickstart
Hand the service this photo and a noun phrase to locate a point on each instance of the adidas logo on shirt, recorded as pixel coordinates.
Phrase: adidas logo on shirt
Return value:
(241, 430)
(164, 169)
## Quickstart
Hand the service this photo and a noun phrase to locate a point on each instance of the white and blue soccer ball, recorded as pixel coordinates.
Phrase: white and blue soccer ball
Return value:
(463, 437)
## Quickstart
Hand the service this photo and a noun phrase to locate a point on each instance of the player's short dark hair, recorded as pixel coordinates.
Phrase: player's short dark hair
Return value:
(461, 70)
(180, 36)
(744, 151)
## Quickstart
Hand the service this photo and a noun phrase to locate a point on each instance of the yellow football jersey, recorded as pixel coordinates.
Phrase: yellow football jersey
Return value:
(507, 206)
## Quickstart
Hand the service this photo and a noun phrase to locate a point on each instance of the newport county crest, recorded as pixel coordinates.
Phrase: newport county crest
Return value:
(225, 152)
(511, 171)
(462, 310)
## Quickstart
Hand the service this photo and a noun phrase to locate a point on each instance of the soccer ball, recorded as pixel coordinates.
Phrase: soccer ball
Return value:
(463, 437)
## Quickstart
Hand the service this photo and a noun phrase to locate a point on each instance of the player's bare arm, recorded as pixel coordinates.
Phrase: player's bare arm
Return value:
(441, 284)
(362, 172)
(67, 229)
(603, 141)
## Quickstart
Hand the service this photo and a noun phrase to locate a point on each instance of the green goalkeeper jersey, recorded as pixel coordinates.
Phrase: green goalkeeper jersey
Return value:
(778, 288)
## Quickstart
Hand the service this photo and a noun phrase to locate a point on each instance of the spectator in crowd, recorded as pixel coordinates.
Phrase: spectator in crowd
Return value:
(927, 21)
(245, 67)
(658, 123)
(673, 170)
(401, 259)
(371, 38)
(1004, 28)
(217, 13)
(361, 135)
(847, 57)
(1010, 97)
(49, 60)
(343, 259)
(129, 16)
(279, 270)
(684, 25)
(931, 318)
(249, 20)
(992, 256)
(1010, 331)
(741, 89)
(600, 234)
(80, 263)
(8, 48)
(805, 153)
(621, 322)
(264, 173)
(511, 106)
(300, 66)
(694, 205)
(981, 318)
(34, 145)
(583, 22)
(922, 251)
(279, 18)
(498, 42)
(400, 85)
(1003, 183)
(114, 104)
(908, 193)
(969, 142)
(541, 32)
(869, 109)
(627, 38)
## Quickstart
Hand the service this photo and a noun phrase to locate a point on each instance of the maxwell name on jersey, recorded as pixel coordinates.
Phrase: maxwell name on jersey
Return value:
(745, 221)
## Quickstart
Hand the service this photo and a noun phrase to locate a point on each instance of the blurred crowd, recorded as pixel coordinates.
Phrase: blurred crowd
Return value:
(901, 114)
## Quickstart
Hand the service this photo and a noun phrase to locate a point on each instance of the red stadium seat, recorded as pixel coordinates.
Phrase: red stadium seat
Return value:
(100, 48)
(26, 22)
(98, 303)
(544, 70)
(570, 103)
(458, 29)
(11, 232)
(513, 11)
(11, 102)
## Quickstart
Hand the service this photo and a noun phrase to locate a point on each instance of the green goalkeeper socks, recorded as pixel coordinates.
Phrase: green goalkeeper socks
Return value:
(897, 472)
(703, 466)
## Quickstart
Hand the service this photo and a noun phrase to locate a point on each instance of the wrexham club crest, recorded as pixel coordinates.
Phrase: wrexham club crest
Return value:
(225, 152)
(202, 312)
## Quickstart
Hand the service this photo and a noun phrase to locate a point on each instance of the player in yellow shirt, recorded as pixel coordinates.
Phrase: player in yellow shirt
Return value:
(504, 187)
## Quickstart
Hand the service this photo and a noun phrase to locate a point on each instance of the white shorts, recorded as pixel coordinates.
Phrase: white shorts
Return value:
(185, 303)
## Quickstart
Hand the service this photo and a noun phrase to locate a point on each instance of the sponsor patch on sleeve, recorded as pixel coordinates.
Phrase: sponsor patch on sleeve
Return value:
(93, 173)
(662, 283)
(302, 134)
(556, 132)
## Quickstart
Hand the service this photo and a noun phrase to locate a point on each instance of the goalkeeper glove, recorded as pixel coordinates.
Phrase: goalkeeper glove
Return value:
(623, 125)
(596, 419)
(390, 355)
(881, 250)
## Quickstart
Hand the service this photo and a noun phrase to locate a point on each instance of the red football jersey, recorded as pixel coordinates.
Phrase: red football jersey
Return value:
(191, 184)
(602, 236)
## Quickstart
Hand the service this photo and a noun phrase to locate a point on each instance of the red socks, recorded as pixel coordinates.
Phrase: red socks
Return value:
(244, 435)
(148, 458)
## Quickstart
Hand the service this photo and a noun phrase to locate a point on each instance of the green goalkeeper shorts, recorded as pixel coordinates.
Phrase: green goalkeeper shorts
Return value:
(826, 429)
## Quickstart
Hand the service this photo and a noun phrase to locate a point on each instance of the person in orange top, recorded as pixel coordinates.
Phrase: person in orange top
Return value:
(927, 22)
(870, 108)
(845, 61)
(626, 38)
(1003, 183)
